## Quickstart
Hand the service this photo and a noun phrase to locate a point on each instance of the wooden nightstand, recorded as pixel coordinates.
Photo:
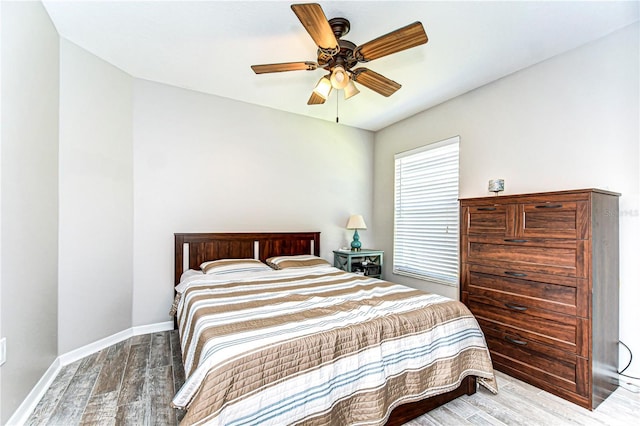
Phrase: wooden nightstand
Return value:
(366, 262)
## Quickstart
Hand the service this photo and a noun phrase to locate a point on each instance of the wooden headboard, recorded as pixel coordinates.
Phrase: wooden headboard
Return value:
(256, 245)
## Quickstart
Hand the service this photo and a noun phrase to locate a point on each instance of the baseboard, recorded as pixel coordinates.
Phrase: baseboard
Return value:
(91, 348)
(153, 328)
(27, 406)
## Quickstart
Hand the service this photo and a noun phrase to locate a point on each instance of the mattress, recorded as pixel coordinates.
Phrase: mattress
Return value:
(318, 346)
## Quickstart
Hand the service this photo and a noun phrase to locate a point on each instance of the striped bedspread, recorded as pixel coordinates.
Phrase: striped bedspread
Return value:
(318, 346)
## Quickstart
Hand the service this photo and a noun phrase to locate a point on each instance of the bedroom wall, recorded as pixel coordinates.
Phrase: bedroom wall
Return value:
(209, 164)
(96, 199)
(29, 198)
(569, 122)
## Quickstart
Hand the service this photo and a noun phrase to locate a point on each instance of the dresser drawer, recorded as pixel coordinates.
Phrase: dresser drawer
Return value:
(554, 293)
(560, 257)
(513, 352)
(489, 219)
(564, 332)
(556, 219)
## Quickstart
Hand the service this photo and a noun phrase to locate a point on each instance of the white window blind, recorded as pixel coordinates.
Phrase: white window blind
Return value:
(425, 243)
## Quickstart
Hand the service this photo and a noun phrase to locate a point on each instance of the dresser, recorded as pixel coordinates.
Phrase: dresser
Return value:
(540, 274)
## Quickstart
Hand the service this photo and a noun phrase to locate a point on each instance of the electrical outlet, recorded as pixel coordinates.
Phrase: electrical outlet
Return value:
(3, 350)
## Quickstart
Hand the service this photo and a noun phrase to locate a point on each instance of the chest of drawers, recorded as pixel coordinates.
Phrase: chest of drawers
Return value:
(540, 273)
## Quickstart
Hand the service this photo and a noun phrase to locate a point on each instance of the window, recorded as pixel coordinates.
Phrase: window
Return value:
(425, 241)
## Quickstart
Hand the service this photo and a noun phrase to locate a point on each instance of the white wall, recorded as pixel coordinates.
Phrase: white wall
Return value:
(569, 122)
(29, 198)
(96, 199)
(209, 164)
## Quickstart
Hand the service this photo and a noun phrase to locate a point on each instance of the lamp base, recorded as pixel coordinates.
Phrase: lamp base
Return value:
(356, 244)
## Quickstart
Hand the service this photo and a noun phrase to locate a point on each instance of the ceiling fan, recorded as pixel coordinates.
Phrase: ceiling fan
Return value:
(339, 56)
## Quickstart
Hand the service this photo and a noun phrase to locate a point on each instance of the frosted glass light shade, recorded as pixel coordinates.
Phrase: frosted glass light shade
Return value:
(323, 88)
(350, 90)
(339, 77)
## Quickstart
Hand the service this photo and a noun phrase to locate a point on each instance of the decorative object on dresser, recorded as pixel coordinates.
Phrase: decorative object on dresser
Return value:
(356, 221)
(540, 273)
(496, 185)
(366, 262)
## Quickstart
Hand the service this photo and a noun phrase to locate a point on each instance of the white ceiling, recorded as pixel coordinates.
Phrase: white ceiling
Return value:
(209, 46)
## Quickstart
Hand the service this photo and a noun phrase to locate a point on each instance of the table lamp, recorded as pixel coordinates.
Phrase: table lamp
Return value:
(356, 221)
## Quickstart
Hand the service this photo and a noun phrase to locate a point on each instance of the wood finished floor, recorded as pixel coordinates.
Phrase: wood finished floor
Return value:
(133, 382)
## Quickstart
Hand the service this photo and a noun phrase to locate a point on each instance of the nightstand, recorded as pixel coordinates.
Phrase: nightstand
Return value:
(365, 262)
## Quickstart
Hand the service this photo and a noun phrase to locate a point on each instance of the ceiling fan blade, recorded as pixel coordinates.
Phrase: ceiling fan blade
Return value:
(315, 22)
(374, 81)
(285, 66)
(401, 39)
(315, 99)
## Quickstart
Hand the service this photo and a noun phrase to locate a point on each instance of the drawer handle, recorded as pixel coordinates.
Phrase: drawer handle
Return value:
(515, 274)
(549, 206)
(515, 307)
(515, 341)
(486, 209)
(514, 240)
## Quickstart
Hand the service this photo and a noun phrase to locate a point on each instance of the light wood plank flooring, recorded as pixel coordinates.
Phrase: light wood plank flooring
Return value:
(133, 382)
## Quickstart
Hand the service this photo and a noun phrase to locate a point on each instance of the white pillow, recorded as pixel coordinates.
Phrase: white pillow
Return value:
(227, 266)
(298, 261)
(190, 273)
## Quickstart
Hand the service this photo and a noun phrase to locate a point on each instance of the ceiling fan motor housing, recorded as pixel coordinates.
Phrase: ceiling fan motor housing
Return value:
(340, 26)
(344, 57)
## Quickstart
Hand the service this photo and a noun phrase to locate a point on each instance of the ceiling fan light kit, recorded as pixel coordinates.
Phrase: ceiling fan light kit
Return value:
(338, 56)
(339, 77)
(323, 88)
(350, 90)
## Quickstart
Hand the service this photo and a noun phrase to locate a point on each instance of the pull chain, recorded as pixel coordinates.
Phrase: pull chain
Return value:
(337, 98)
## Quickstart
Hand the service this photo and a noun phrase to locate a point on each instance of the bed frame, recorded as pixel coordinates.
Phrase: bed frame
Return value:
(194, 248)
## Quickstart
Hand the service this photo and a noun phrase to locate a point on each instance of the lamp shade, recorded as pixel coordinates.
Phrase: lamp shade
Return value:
(350, 90)
(323, 88)
(356, 221)
(339, 78)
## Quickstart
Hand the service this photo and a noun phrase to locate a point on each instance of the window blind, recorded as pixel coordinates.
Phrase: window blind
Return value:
(426, 216)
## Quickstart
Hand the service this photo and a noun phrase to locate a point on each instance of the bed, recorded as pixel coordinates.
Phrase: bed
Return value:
(312, 344)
